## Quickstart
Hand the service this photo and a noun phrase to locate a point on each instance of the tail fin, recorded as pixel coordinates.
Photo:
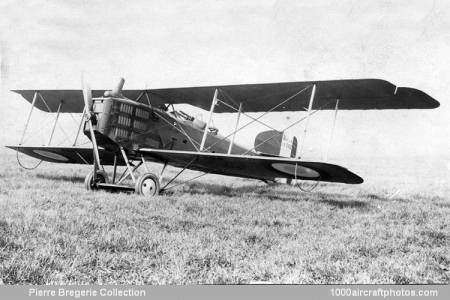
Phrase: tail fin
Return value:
(276, 143)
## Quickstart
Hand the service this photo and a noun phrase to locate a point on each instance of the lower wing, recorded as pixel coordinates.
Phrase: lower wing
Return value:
(248, 166)
(67, 155)
(252, 166)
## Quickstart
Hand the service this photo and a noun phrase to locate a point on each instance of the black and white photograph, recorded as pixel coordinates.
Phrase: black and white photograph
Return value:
(224, 143)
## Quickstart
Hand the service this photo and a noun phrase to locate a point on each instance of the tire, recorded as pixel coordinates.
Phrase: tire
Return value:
(147, 185)
(89, 183)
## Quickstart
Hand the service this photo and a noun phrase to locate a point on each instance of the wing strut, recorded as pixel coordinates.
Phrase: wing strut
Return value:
(148, 98)
(235, 128)
(211, 112)
(56, 122)
(311, 101)
(29, 117)
(79, 127)
(287, 127)
(139, 96)
(336, 109)
(262, 115)
(23, 135)
(222, 92)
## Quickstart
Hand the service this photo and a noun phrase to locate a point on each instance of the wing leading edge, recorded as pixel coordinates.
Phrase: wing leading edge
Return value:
(251, 166)
(353, 94)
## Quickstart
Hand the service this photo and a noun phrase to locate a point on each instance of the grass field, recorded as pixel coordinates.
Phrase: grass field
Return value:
(394, 228)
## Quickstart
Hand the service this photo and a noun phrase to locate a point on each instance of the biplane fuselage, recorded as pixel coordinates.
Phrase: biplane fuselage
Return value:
(134, 125)
(127, 132)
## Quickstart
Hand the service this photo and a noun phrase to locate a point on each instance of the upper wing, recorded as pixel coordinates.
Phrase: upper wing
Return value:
(352, 94)
(251, 166)
(72, 100)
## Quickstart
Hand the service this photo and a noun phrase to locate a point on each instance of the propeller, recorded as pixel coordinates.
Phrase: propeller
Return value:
(88, 103)
(87, 97)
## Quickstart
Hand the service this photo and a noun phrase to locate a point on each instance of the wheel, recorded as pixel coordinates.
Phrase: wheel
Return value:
(89, 182)
(147, 185)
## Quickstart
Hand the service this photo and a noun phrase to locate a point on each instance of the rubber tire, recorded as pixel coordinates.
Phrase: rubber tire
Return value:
(102, 177)
(141, 185)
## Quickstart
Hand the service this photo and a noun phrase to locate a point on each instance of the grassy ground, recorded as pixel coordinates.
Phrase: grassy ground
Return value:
(224, 230)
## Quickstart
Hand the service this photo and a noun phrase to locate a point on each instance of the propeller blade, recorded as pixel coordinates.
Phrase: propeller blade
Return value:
(88, 103)
(87, 96)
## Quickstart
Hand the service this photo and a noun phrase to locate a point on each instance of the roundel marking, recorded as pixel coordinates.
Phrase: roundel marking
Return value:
(51, 155)
(290, 169)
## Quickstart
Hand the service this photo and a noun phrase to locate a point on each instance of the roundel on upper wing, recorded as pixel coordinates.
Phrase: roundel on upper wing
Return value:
(51, 155)
(291, 170)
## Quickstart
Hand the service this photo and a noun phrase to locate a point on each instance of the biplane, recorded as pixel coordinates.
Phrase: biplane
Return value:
(127, 128)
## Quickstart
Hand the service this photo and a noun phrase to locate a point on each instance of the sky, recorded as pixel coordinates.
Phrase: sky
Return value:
(155, 44)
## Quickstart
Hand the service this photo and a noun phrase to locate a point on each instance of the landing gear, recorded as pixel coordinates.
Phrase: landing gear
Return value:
(147, 185)
(91, 184)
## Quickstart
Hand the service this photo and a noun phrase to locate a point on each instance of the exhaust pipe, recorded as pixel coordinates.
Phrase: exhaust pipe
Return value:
(117, 91)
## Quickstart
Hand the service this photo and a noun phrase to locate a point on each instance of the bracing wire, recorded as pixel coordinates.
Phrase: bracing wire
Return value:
(297, 185)
(256, 119)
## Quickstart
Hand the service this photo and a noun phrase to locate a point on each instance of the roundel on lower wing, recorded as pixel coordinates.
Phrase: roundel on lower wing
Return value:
(290, 169)
(51, 155)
